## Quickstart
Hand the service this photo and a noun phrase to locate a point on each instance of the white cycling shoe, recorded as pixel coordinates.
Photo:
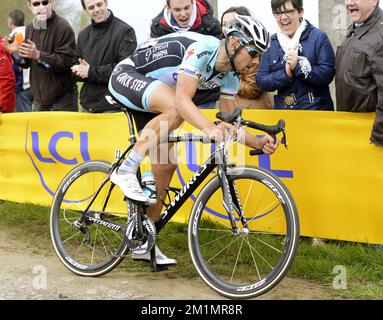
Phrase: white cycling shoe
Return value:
(161, 259)
(129, 185)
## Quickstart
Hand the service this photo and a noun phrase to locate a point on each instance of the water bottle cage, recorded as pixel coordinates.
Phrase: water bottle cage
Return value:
(169, 196)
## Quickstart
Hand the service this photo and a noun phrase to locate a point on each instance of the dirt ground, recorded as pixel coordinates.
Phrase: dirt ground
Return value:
(29, 275)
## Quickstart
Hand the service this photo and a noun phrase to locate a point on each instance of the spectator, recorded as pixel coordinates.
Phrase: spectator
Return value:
(24, 96)
(7, 81)
(250, 96)
(359, 66)
(48, 49)
(300, 61)
(101, 45)
(189, 15)
(186, 15)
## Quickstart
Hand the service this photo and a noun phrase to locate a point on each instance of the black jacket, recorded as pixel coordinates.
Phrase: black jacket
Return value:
(205, 24)
(103, 46)
(56, 43)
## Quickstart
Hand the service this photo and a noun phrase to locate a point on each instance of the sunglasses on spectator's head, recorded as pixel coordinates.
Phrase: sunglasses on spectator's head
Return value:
(38, 3)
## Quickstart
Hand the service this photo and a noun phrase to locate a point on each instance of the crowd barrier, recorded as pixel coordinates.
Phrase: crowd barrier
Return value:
(332, 171)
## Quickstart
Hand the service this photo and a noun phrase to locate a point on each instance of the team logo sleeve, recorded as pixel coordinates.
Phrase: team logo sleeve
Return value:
(191, 63)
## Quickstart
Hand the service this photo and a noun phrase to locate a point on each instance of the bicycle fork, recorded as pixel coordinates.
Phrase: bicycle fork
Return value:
(231, 201)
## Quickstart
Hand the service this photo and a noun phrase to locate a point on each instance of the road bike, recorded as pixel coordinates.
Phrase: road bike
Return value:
(243, 229)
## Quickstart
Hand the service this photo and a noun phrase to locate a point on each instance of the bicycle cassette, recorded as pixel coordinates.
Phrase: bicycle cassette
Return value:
(144, 245)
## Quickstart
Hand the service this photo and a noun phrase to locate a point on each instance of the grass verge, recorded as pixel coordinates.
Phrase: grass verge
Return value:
(363, 266)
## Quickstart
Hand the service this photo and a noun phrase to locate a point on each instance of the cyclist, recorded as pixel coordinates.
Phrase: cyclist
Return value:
(161, 78)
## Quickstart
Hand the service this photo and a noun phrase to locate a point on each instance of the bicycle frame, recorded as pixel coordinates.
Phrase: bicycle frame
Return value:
(230, 198)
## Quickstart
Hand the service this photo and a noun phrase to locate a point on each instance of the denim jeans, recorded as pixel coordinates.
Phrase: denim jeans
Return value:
(68, 102)
(24, 101)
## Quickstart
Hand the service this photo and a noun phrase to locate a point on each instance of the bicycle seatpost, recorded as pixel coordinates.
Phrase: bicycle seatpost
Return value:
(132, 132)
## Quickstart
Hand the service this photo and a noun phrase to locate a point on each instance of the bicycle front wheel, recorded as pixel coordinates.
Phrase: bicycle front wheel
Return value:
(89, 242)
(250, 262)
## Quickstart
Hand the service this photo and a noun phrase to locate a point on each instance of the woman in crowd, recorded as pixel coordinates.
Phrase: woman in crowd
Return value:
(299, 63)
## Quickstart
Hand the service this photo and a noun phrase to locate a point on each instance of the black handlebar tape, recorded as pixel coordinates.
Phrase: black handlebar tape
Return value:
(271, 130)
(254, 153)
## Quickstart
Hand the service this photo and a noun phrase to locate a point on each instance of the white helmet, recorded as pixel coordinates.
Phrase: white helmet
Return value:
(250, 31)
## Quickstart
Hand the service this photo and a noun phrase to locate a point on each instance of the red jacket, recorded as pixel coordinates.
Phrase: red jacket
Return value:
(7, 81)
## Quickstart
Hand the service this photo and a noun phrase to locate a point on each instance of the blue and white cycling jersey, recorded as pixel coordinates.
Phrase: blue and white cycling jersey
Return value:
(191, 53)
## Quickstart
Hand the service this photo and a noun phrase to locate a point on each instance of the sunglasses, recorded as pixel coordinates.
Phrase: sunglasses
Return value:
(252, 52)
(44, 3)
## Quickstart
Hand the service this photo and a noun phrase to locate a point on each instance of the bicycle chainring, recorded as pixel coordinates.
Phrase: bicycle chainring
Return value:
(146, 243)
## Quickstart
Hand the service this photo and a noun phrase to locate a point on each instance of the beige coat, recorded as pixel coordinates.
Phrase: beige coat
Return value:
(249, 94)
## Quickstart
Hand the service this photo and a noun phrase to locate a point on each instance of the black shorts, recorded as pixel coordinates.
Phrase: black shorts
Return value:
(131, 88)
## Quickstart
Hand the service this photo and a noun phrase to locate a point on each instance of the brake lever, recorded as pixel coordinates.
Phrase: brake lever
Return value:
(284, 142)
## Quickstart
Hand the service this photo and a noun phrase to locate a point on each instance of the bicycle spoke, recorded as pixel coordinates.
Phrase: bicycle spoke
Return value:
(215, 240)
(219, 221)
(68, 227)
(259, 201)
(67, 211)
(254, 261)
(247, 196)
(264, 233)
(94, 245)
(256, 251)
(215, 230)
(236, 262)
(103, 244)
(81, 245)
(110, 243)
(71, 237)
(229, 245)
(267, 244)
(265, 211)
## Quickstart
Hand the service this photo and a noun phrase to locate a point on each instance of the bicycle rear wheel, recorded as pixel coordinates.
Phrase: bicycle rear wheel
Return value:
(91, 243)
(252, 262)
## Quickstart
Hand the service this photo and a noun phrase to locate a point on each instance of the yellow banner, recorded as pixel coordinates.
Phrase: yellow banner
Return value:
(332, 171)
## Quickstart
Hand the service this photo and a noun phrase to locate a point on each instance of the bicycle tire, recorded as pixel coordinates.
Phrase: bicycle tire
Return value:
(269, 248)
(105, 248)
